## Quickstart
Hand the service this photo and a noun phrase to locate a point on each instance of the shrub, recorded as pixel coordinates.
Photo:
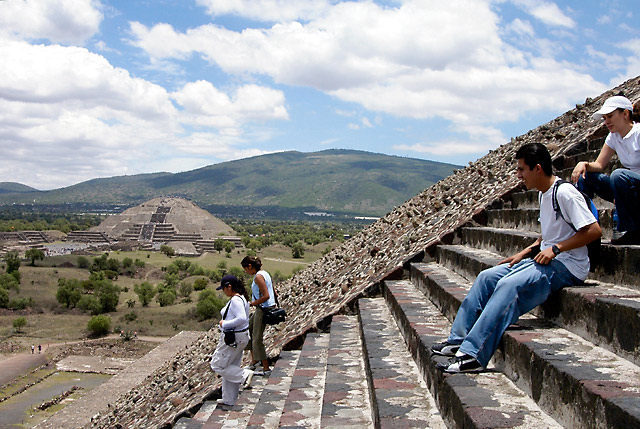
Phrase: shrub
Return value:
(185, 289)
(20, 304)
(90, 304)
(145, 292)
(200, 283)
(69, 292)
(19, 323)
(209, 304)
(83, 262)
(166, 297)
(99, 325)
(131, 316)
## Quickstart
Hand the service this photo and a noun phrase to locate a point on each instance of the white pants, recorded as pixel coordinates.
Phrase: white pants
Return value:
(226, 362)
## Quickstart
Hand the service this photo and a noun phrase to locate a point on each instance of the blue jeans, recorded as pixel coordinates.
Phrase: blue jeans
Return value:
(499, 296)
(623, 186)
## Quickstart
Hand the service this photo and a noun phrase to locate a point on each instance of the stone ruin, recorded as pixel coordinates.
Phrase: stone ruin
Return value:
(331, 285)
(176, 222)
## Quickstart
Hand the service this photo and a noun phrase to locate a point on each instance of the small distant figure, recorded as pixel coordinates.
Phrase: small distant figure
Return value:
(39, 348)
(135, 334)
(33, 348)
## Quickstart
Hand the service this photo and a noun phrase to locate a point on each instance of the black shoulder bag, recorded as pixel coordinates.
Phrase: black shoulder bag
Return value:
(275, 315)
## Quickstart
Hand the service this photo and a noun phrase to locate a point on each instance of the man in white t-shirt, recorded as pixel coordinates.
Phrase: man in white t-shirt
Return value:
(519, 283)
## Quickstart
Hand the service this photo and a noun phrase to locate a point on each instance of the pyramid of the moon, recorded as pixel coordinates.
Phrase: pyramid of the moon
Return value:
(164, 219)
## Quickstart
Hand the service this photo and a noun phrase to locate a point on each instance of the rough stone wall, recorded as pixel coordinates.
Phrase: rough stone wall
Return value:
(378, 252)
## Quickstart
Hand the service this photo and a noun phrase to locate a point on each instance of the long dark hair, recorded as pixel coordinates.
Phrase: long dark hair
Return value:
(238, 287)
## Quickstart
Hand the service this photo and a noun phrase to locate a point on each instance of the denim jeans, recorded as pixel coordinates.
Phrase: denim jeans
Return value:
(499, 296)
(623, 186)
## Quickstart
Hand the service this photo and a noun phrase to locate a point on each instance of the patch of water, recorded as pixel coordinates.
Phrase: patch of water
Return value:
(19, 411)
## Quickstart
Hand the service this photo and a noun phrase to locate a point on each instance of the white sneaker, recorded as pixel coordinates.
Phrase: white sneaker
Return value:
(246, 381)
(263, 373)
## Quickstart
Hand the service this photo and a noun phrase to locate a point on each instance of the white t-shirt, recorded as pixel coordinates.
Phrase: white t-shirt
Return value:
(555, 229)
(238, 316)
(627, 147)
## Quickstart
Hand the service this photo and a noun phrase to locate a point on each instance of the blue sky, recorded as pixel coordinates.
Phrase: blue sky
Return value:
(98, 88)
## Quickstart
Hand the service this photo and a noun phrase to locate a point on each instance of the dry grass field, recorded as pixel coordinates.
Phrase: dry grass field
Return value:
(50, 323)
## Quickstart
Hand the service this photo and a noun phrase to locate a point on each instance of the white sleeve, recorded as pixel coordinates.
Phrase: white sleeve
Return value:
(236, 316)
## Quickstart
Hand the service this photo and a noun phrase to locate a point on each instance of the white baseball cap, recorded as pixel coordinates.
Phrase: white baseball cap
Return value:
(611, 104)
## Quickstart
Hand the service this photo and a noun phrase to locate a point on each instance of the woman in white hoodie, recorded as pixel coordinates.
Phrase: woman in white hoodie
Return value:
(227, 359)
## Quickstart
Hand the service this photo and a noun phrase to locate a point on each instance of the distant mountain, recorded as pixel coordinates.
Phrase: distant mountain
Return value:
(12, 187)
(345, 181)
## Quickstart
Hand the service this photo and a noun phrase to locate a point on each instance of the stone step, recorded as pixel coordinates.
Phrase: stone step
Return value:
(487, 400)
(607, 315)
(346, 401)
(527, 219)
(577, 383)
(400, 397)
(265, 396)
(268, 410)
(303, 405)
(510, 241)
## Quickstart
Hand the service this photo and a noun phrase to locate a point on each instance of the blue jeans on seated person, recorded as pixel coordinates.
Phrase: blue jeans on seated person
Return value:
(499, 296)
(623, 186)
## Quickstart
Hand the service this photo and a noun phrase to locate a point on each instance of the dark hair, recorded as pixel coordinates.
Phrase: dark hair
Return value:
(238, 287)
(534, 154)
(254, 261)
(635, 115)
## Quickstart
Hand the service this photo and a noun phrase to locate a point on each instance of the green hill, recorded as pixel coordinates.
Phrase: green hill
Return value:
(344, 181)
(12, 187)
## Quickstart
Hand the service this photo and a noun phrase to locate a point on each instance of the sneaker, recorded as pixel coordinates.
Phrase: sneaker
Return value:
(263, 372)
(629, 238)
(252, 366)
(464, 363)
(445, 348)
(246, 382)
(224, 407)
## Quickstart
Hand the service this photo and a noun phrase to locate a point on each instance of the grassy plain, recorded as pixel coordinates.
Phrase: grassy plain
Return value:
(50, 323)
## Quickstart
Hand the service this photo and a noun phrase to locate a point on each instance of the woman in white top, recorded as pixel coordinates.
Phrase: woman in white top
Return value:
(227, 359)
(623, 186)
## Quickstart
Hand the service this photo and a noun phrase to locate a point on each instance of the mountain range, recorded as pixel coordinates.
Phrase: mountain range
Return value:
(336, 180)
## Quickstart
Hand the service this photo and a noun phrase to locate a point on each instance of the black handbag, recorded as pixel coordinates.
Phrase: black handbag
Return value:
(275, 315)
(229, 336)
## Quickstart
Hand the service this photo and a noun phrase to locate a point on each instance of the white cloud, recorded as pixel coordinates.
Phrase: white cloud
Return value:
(60, 21)
(75, 116)
(268, 10)
(547, 12)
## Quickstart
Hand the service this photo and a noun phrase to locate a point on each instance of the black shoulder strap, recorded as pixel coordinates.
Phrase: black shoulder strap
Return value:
(554, 202)
(224, 316)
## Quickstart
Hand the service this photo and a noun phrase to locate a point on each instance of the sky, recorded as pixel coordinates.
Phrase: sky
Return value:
(102, 88)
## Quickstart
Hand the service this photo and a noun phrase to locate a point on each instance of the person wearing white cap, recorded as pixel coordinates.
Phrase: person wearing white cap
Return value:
(234, 327)
(623, 185)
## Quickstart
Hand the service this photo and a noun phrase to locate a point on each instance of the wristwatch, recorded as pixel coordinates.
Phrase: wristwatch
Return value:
(556, 250)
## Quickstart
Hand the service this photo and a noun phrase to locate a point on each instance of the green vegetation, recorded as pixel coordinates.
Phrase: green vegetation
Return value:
(343, 182)
(13, 219)
(99, 325)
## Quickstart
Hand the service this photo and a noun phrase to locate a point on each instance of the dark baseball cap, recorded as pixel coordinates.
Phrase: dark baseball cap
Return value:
(227, 280)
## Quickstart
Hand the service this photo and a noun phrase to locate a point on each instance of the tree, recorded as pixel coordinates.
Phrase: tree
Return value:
(83, 262)
(145, 292)
(99, 325)
(218, 244)
(200, 283)
(69, 292)
(167, 250)
(229, 246)
(108, 295)
(19, 323)
(297, 250)
(4, 298)
(13, 261)
(185, 289)
(34, 254)
(8, 282)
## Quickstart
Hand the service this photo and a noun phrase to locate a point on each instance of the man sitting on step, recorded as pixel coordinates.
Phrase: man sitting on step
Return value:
(519, 283)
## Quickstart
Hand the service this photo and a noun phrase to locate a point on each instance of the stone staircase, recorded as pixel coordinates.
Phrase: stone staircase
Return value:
(572, 362)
